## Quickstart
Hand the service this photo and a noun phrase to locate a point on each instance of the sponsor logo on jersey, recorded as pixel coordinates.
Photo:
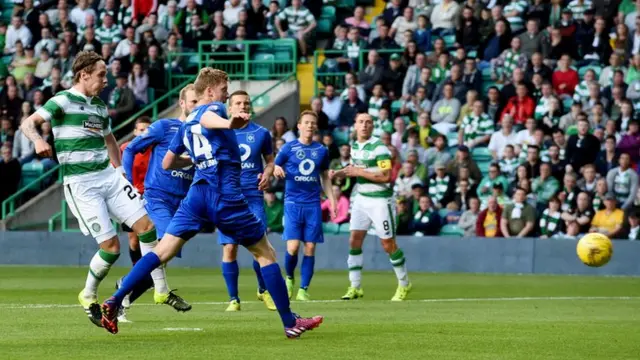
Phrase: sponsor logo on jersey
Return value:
(305, 168)
(246, 165)
(207, 164)
(314, 154)
(251, 138)
(93, 123)
(181, 175)
(300, 154)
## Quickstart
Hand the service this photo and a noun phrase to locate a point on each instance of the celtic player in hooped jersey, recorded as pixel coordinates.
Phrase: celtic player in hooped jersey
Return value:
(373, 205)
(95, 191)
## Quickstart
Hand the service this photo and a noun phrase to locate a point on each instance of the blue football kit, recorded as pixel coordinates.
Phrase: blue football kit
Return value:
(254, 142)
(164, 189)
(215, 195)
(303, 166)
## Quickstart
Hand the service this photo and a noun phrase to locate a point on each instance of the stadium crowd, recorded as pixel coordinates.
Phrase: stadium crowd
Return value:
(504, 118)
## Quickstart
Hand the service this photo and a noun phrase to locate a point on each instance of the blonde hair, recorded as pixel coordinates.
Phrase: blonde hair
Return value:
(208, 77)
(308, 112)
(183, 92)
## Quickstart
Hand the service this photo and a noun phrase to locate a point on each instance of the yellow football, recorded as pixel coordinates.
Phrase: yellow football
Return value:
(595, 249)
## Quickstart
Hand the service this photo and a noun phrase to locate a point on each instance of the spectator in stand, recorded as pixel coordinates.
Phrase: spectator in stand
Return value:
(609, 220)
(301, 24)
(23, 149)
(518, 218)
(455, 78)
(508, 61)
(500, 139)
(342, 214)
(537, 66)
(468, 35)
(447, 109)
(608, 158)
(121, 101)
(194, 33)
(463, 194)
(332, 105)
(565, 79)
(569, 193)
(323, 120)
(463, 159)
(493, 104)
(615, 63)
(11, 170)
(406, 180)
(159, 32)
(393, 77)
(358, 21)
(469, 218)
(11, 103)
(497, 42)
(438, 152)
(352, 81)
(274, 210)
(445, 18)
(426, 221)
(6, 132)
(412, 77)
(623, 182)
(16, 32)
(441, 187)
(477, 128)
(124, 46)
(485, 188)
(138, 82)
(280, 130)
(521, 107)
(589, 180)
(372, 74)
(551, 221)
(402, 24)
(545, 187)
(582, 148)
(393, 10)
(630, 142)
(632, 230)
(351, 107)
(489, 223)
(403, 217)
(46, 42)
(509, 163)
(582, 214)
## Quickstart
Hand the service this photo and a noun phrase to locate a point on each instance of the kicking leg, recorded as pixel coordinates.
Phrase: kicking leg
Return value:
(265, 255)
(98, 269)
(396, 256)
(290, 263)
(230, 272)
(355, 262)
(306, 271)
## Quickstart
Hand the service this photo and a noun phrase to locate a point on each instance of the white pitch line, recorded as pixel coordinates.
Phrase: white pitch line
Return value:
(182, 329)
(443, 300)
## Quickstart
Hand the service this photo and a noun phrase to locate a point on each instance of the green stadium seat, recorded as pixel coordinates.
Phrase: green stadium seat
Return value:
(346, 4)
(486, 74)
(325, 26)
(481, 153)
(330, 228)
(328, 12)
(262, 68)
(30, 172)
(583, 70)
(396, 105)
(344, 229)
(566, 103)
(449, 40)
(451, 230)
(483, 166)
(443, 213)
(472, 54)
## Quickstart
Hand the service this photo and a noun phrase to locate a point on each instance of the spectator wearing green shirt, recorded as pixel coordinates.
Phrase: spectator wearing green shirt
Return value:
(485, 188)
(274, 210)
(545, 186)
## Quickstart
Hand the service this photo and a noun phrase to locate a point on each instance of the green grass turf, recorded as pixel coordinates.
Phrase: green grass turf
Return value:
(583, 327)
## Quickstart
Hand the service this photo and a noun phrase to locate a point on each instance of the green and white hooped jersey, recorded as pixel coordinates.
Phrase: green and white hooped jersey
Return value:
(79, 125)
(372, 155)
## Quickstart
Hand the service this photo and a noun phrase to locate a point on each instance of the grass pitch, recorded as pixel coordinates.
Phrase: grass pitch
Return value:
(450, 316)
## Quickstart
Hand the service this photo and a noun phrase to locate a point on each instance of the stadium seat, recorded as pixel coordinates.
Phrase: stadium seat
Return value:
(325, 26)
(449, 41)
(481, 154)
(583, 70)
(344, 228)
(472, 54)
(330, 228)
(328, 12)
(443, 214)
(263, 69)
(395, 106)
(31, 171)
(566, 103)
(451, 230)
(484, 166)
(346, 4)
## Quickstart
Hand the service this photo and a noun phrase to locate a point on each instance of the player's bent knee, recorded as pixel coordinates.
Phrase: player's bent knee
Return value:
(229, 252)
(293, 246)
(143, 225)
(309, 249)
(168, 247)
(263, 252)
(112, 245)
(389, 245)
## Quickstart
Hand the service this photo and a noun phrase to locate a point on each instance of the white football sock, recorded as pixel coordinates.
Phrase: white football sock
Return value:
(98, 269)
(158, 275)
(355, 261)
(398, 261)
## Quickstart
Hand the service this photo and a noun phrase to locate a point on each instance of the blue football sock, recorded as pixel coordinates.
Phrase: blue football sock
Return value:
(278, 290)
(290, 263)
(306, 271)
(230, 272)
(261, 286)
(141, 288)
(140, 271)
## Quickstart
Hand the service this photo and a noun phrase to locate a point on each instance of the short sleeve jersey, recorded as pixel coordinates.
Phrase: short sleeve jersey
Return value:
(372, 155)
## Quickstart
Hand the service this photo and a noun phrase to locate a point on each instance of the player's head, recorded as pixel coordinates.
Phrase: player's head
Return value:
(363, 126)
(142, 123)
(90, 72)
(307, 124)
(211, 85)
(188, 99)
(239, 102)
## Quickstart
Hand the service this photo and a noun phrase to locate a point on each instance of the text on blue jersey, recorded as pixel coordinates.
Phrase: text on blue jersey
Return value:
(254, 142)
(303, 166)
(159, 135)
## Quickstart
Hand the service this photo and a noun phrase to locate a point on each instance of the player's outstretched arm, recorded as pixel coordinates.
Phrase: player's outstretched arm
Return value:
(29, 129)
(173, 161)
(211, 120)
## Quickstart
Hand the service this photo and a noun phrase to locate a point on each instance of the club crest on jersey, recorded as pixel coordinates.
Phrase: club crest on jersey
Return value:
(365, 154)
(93, 123)
(300, 154)
(251, 138)
(314, 154)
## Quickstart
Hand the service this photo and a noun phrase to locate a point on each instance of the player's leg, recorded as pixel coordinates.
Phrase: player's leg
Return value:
(256, 206)
(127, 206)
(88, 206)
(383, 217)
(312, 235)
(249, 231)
(359, 224)
(185, 224)
(231, 272)
(293, 222)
